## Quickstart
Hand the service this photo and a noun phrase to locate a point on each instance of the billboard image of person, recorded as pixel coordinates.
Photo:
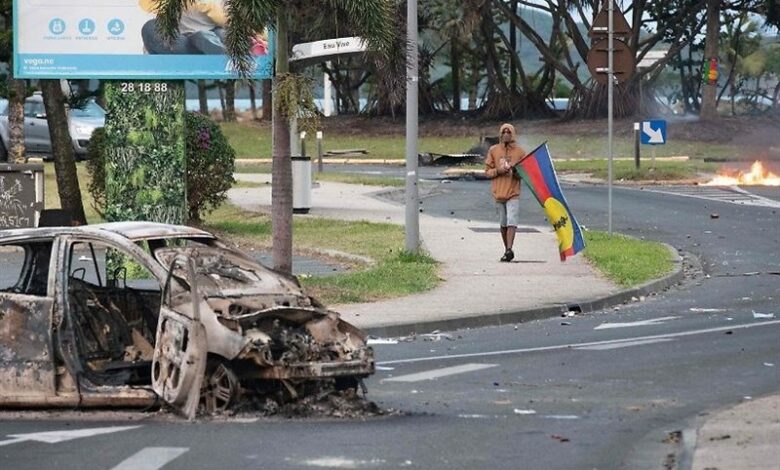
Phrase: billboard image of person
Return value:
(120, 39)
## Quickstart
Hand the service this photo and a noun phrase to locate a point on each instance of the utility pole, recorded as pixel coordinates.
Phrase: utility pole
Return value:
(412, 218)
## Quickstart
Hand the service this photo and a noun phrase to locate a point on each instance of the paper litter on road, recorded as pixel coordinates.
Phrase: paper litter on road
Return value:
(763, 315)
(769, 364)
(518, 411)
(706, 310)
(381, 341)
(436, 337)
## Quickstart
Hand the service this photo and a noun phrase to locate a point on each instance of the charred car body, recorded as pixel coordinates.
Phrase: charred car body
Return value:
(122, 314)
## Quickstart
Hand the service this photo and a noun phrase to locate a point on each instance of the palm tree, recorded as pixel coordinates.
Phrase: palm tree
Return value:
(246, 19)
(62, 150)
(17, 90)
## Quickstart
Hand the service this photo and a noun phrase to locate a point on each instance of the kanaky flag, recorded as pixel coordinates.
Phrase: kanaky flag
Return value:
(536, 169)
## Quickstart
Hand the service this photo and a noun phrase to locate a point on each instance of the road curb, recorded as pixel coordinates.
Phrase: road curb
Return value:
(519, 316)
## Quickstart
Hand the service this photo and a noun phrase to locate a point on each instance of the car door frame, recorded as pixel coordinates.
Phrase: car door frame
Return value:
(28, 374)
(181, 346)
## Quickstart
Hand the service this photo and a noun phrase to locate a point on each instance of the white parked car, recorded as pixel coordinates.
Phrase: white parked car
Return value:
(83, 122)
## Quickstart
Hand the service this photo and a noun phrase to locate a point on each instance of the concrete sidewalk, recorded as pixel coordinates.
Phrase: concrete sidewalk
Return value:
(478, 290)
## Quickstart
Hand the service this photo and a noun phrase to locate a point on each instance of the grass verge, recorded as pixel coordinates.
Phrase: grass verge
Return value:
(396, 273)
(627, 261)
(252, 141)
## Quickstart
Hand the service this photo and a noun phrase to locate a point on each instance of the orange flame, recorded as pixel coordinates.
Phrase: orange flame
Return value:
(757, 175)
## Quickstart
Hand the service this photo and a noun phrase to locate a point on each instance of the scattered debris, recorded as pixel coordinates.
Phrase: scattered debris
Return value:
(714, 216)
(372, 341)
(436, 336)
(559, 438)
(564, 417)
(763, 315)
(769, 364)
(721, 438)
(518, 411)
(565, 323)
(674, 437)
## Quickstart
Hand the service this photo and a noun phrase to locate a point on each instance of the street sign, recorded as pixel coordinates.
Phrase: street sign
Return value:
(654, 132)
(600, 28)
(623, 62)
(651, 58)
(323, 50)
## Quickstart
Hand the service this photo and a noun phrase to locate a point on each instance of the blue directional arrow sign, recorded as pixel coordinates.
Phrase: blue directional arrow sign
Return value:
(654, 132)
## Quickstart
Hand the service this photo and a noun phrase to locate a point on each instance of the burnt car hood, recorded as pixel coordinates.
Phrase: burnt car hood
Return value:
(221, 273)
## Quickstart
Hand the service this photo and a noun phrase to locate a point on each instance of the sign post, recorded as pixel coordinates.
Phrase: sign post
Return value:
(654, 133)
(614, 27)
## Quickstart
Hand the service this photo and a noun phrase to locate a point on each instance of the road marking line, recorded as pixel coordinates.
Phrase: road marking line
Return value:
(507, 352)
(436, 373)
(53, 437)
(652, 321)
(627, 344)
(151, 458)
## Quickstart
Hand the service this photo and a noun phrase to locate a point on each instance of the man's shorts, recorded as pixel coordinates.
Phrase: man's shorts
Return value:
(509, 212)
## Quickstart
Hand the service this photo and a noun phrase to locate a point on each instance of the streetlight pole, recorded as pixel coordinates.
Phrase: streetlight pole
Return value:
(610, 90)
(412, 199)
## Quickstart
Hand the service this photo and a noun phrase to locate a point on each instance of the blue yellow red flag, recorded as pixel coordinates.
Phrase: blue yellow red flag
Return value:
(537, 170)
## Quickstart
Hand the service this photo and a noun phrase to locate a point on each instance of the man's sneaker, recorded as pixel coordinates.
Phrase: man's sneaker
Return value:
(509, 255)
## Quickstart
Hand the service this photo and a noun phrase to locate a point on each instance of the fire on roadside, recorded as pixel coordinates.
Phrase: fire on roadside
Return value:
(757, 176)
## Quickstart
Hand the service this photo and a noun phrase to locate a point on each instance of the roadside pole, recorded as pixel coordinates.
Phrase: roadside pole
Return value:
(636, 144)
(610, 91)
(412, 218)
(319, 151)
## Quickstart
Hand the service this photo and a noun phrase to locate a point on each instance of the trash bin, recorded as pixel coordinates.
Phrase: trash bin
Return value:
(301, 178)
(21, 195)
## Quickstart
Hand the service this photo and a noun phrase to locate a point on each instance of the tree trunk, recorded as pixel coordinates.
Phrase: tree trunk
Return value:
(17, 93)
(281, 168)
(62, 150)
(221, 90)
(230, 101)
(455, 64)
(267, 100)
(513, 51)
(709, 108)
(253, 100)
(591, 103)
(203, 102)
(474, 85)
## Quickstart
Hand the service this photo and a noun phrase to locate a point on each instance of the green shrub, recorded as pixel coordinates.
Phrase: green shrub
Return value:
(210, 166)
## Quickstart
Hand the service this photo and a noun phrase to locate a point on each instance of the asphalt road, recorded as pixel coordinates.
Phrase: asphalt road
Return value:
(621, 388)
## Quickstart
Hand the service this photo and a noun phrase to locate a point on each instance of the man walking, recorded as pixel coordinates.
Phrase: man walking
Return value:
(505, 186)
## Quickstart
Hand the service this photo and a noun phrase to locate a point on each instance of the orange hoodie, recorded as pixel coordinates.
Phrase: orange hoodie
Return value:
(505, 185)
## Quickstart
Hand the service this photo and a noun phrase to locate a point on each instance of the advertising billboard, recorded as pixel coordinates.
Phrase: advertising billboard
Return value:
(117, 39)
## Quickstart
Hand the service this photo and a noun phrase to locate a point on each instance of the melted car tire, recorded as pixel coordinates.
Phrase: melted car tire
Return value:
(220, 389)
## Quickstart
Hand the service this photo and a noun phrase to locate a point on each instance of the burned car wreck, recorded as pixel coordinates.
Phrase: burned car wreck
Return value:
(125, 314)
